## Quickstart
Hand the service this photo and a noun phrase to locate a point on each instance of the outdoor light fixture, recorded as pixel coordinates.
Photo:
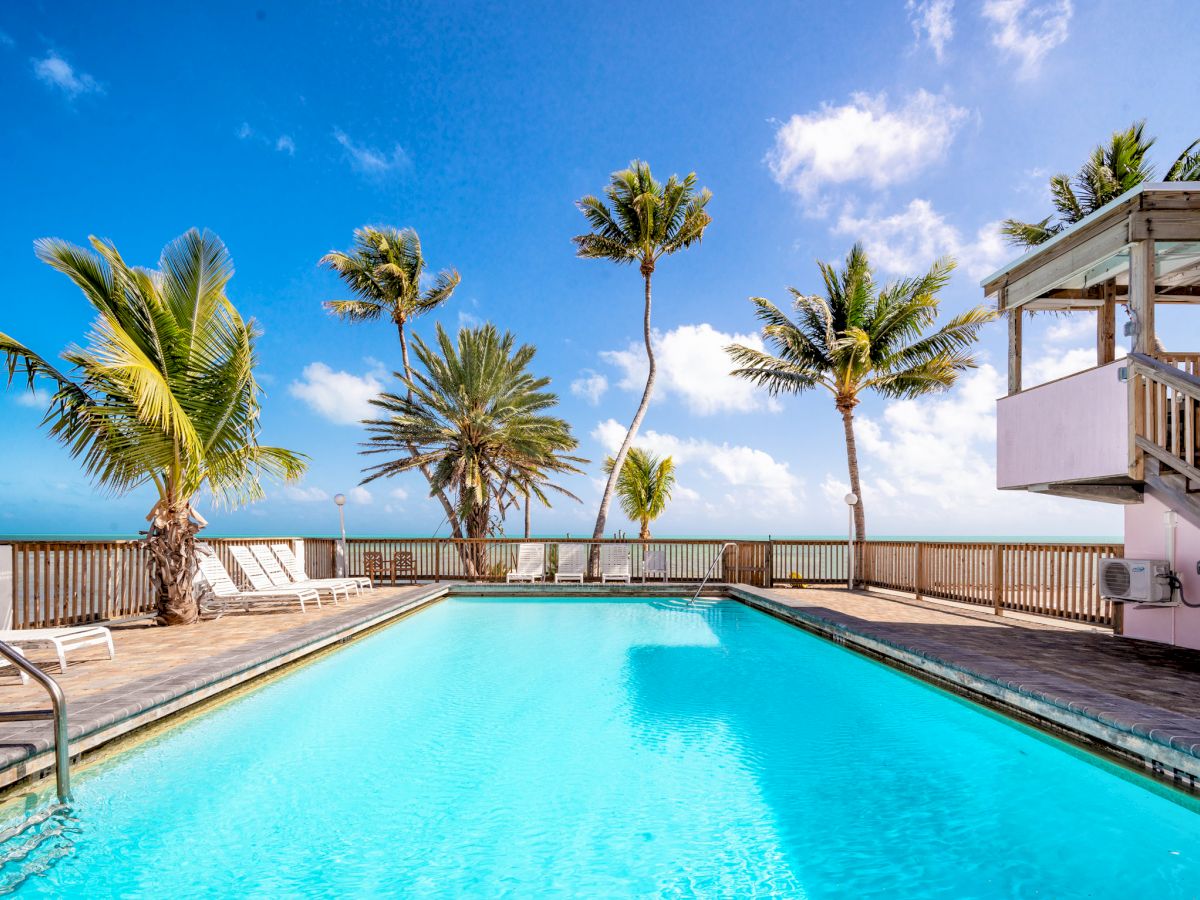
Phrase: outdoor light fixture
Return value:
(340, 500)
(851, 501)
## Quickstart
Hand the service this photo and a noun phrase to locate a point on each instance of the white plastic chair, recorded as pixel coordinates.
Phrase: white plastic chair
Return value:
(291, 565)
(615, 563)
(226, 591)
(572, 559)
(531, 564)
(63, 640)
(279, 578)
(654, 565)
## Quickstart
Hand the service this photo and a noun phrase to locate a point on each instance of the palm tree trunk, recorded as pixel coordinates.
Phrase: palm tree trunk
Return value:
(860, 521)
(526, 515)
(171, 541)
(645, 532)
(447, 506)
(619, 462)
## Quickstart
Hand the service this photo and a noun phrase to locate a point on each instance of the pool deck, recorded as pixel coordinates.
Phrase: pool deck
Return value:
(1132, 699)
(1136, 700)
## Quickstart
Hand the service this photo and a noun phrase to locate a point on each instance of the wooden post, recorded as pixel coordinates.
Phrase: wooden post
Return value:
(1106, 325)
(437, 562)
(998, 579)
(1014, 350)
(1141, 295)
(919, 587)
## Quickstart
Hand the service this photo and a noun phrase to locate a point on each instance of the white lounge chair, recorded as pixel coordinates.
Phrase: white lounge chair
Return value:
(279, 578)
(615, 563)
(291, 565)
(63, 640)
(654, 565)
(572, 560)
(531, 564)
(226, 591)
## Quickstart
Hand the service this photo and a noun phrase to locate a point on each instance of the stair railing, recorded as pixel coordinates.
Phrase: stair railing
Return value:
(1163, 405)
(712, 565)
(56, 713)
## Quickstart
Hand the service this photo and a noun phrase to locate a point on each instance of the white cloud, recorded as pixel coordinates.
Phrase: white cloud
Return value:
(285, 144)
(468, 320)
(908, 241)
(38, 398)
(398, 493)
(370, 160)
(932, 22)
(863, 141)
(1058, 364)
(734, 478)
(304, 494)
(1065, 329)
(360, 495)
(340, 397)
(590, 386)
(693, 365)
(56, 72)
(1027, 30)
(244, 131)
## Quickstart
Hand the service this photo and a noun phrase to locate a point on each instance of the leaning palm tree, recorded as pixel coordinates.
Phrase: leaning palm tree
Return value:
(474, 414)
(384, 271)
(862, 337)
(642, 222)
(163, 395)
(1111, 170)
(644, 486)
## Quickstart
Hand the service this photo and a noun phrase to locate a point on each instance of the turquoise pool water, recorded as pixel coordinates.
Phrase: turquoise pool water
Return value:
(591, 748)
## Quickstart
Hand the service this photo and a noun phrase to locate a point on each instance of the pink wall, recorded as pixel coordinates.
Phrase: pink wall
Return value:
(1070, 429)
(1145, 538)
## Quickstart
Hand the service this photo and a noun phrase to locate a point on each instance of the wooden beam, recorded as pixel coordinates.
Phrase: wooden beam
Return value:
(1073, 258)
(1141, 295)
(1106, 325)
(1015, 317)
(1165, 225)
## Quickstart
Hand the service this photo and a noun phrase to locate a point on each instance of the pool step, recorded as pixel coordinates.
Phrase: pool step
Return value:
(32, 846)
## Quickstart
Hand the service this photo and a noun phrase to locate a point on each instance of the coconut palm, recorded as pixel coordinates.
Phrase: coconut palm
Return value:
(384, 271)
(162, 395)
(642, 222)
(644, 486)
(862, 337)
(474, 414)
(1111, 170)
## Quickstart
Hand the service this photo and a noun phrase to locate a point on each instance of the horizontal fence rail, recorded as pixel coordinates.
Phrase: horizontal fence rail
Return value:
(58, 583)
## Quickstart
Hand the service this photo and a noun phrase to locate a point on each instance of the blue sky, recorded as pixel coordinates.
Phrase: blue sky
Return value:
(914, 127)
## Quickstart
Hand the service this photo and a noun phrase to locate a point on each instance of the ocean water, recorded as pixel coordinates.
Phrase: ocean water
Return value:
(611, 748)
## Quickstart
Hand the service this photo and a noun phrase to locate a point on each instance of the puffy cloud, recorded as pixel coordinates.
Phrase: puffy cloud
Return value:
(304, 494)
(932, 22)
(734, 478)
(56, 72)
(908, 241)
(360, 495)
(398, 493)
(370, 160)
(864, 140)
(340, 397)
(590, 386)
(38, 398)
(1027, 31)
(285, 144)
(693, 365)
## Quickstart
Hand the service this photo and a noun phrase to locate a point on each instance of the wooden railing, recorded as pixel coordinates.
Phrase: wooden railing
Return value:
(1162, 416)
(1188, 363)
(69, 582)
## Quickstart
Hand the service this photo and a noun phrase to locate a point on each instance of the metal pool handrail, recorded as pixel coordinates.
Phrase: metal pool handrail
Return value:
(57, 713)
(712, 565)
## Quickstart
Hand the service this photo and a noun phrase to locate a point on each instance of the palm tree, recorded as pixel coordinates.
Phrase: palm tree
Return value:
(478, 419)
(1111, 170)
(861, 337)
(642, 222)
(384, 271)
(163, 395)
(644, 486)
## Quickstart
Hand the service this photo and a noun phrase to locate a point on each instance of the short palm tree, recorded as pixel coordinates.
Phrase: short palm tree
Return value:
(477, 417)
(384, 271)
(163, 395)
(862, 337)
(644, 486)
(1111, 170)
(642, 222)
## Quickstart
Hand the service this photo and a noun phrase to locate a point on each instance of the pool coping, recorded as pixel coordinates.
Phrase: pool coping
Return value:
(1165, 744)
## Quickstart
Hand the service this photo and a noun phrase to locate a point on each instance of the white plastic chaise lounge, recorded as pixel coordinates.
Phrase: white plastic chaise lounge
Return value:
(654, 565)
(279, 578)
(227, 592)
(572, 558)
(531, 564)
(291, 565)
(615, 562)
(63, 640)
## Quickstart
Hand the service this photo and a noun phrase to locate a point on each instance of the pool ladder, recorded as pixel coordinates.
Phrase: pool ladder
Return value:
(56, 713)
(712, 565)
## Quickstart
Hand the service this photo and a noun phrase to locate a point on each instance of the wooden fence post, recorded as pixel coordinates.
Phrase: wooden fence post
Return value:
(437, 562)
(998, 579)
(919, 576)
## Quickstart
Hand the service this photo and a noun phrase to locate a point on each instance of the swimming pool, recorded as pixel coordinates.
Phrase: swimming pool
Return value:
(611, 747)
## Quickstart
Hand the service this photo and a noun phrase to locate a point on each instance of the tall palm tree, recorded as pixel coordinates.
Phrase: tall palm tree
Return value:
(384, 271)
(862, 337)
(163, 395)
(644, 486)
(1111, 170)
(477, 417)
(642, 222)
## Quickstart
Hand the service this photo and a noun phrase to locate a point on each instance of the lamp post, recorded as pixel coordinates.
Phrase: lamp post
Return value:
(340, 500)
(851, 501)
